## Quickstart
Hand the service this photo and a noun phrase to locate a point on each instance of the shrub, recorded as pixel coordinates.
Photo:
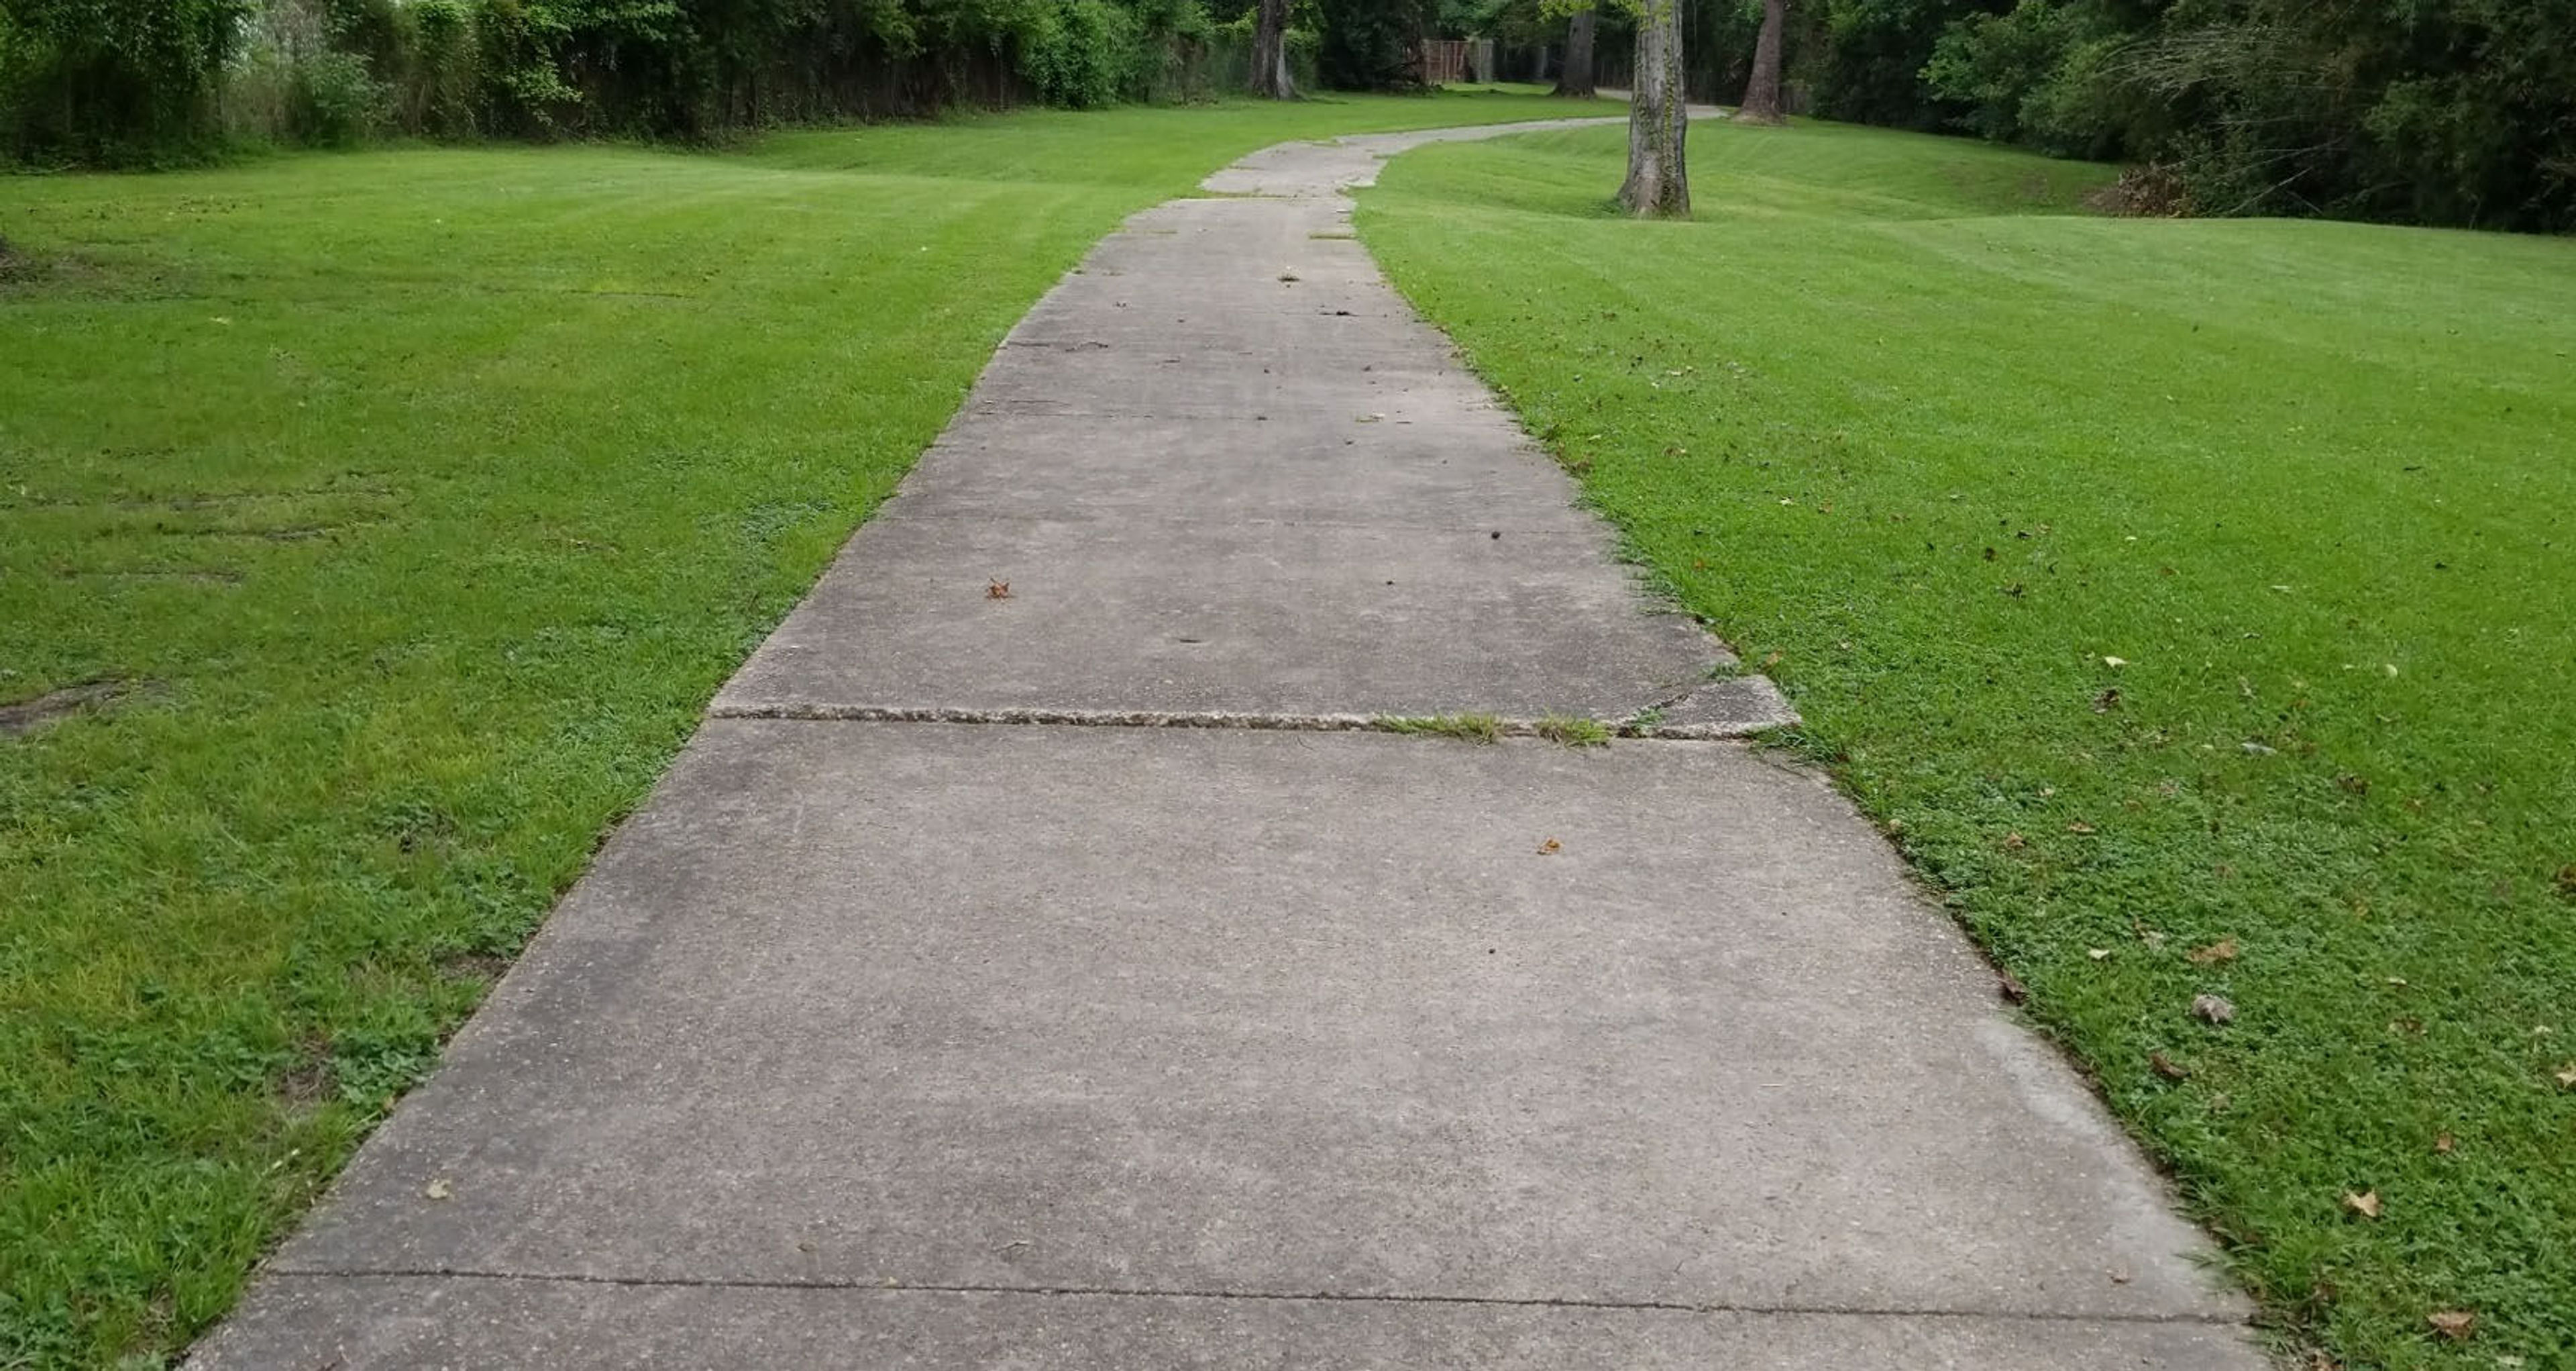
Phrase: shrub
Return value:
(1084, 54)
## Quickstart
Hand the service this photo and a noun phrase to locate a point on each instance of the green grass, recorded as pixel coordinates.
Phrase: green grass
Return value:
(1893, 410)
(1473, 728)
(1573, 731)
(432, 493)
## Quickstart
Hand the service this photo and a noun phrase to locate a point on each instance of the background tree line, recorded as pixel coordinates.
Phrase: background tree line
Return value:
(2434, 111)
(120, 82)
(2455, 112)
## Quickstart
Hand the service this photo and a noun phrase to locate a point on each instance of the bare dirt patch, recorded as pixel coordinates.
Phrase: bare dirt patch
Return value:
(2154, 191)
(21, 717)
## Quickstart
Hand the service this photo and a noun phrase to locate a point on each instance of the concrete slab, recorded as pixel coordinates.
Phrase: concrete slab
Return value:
(1237, 472)
(1260, 1013)
(469, 1325)
(1225, 472)
(1283, 618)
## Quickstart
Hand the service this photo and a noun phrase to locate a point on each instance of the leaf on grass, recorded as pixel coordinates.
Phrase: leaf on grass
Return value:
(2115, 662)
(2107, 701)
(2014, 842)
(1550, 848)
(2010, 987)
(2224, 950)
(2099, 954)
(2212, 1009)
(2167, 1067)
(2455, 1324)
(2445, 1143)
(2567, 1077)
(2365, 1203)
(2079, 826)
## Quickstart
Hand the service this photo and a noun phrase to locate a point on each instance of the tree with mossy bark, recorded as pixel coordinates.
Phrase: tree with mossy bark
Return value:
(1574, 80)
(1658, 184)
(1270, 78)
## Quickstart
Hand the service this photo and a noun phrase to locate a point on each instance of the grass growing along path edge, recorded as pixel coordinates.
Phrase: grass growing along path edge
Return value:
(417, 501)
(2190, 600)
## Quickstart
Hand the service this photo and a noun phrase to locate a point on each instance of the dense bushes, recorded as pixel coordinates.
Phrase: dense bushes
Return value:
(122, 81)
(113, 79)
(2442, 111)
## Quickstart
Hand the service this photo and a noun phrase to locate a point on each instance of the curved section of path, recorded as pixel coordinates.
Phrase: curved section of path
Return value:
(1228, 477)
(891, 1033)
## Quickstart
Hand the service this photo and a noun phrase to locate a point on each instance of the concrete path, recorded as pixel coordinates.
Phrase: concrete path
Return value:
(951, 1004)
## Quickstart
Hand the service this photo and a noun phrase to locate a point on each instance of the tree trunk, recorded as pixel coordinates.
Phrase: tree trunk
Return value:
(1270, 78)
(1762, 91)
(1658, 117)
(1575, 78)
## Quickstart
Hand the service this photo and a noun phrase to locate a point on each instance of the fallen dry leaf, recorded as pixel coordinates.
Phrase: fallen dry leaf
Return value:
(2010, 987)
(2445, 1143)
(2364, 1203)
(2107, 701)
(997, 590)
(1550, 847)
(2099, 954)
(2224, 950)
(2079, 826)
(437, 1189)
(2455, 1324)
(2212, 1009)
(2167, 1067)
(2014, 842)
(2567, 1078)
(2115, 661)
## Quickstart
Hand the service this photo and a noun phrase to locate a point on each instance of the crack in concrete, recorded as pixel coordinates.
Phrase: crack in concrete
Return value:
(853, 1286)
(1626, 727)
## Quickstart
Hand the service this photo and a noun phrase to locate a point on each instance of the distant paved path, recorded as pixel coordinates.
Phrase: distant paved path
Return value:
(936, 1012)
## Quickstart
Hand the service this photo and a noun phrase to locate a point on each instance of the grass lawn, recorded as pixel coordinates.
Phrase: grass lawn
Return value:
(2193, 601)
(416, 502)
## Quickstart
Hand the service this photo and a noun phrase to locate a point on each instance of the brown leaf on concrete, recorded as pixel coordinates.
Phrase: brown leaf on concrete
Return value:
(997, 590)
(2212, 1009)
(438, 1189)
(2365, 1203)
(2010, 987)
(2224, 950)
(2455, 1324)
(1550, 848)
